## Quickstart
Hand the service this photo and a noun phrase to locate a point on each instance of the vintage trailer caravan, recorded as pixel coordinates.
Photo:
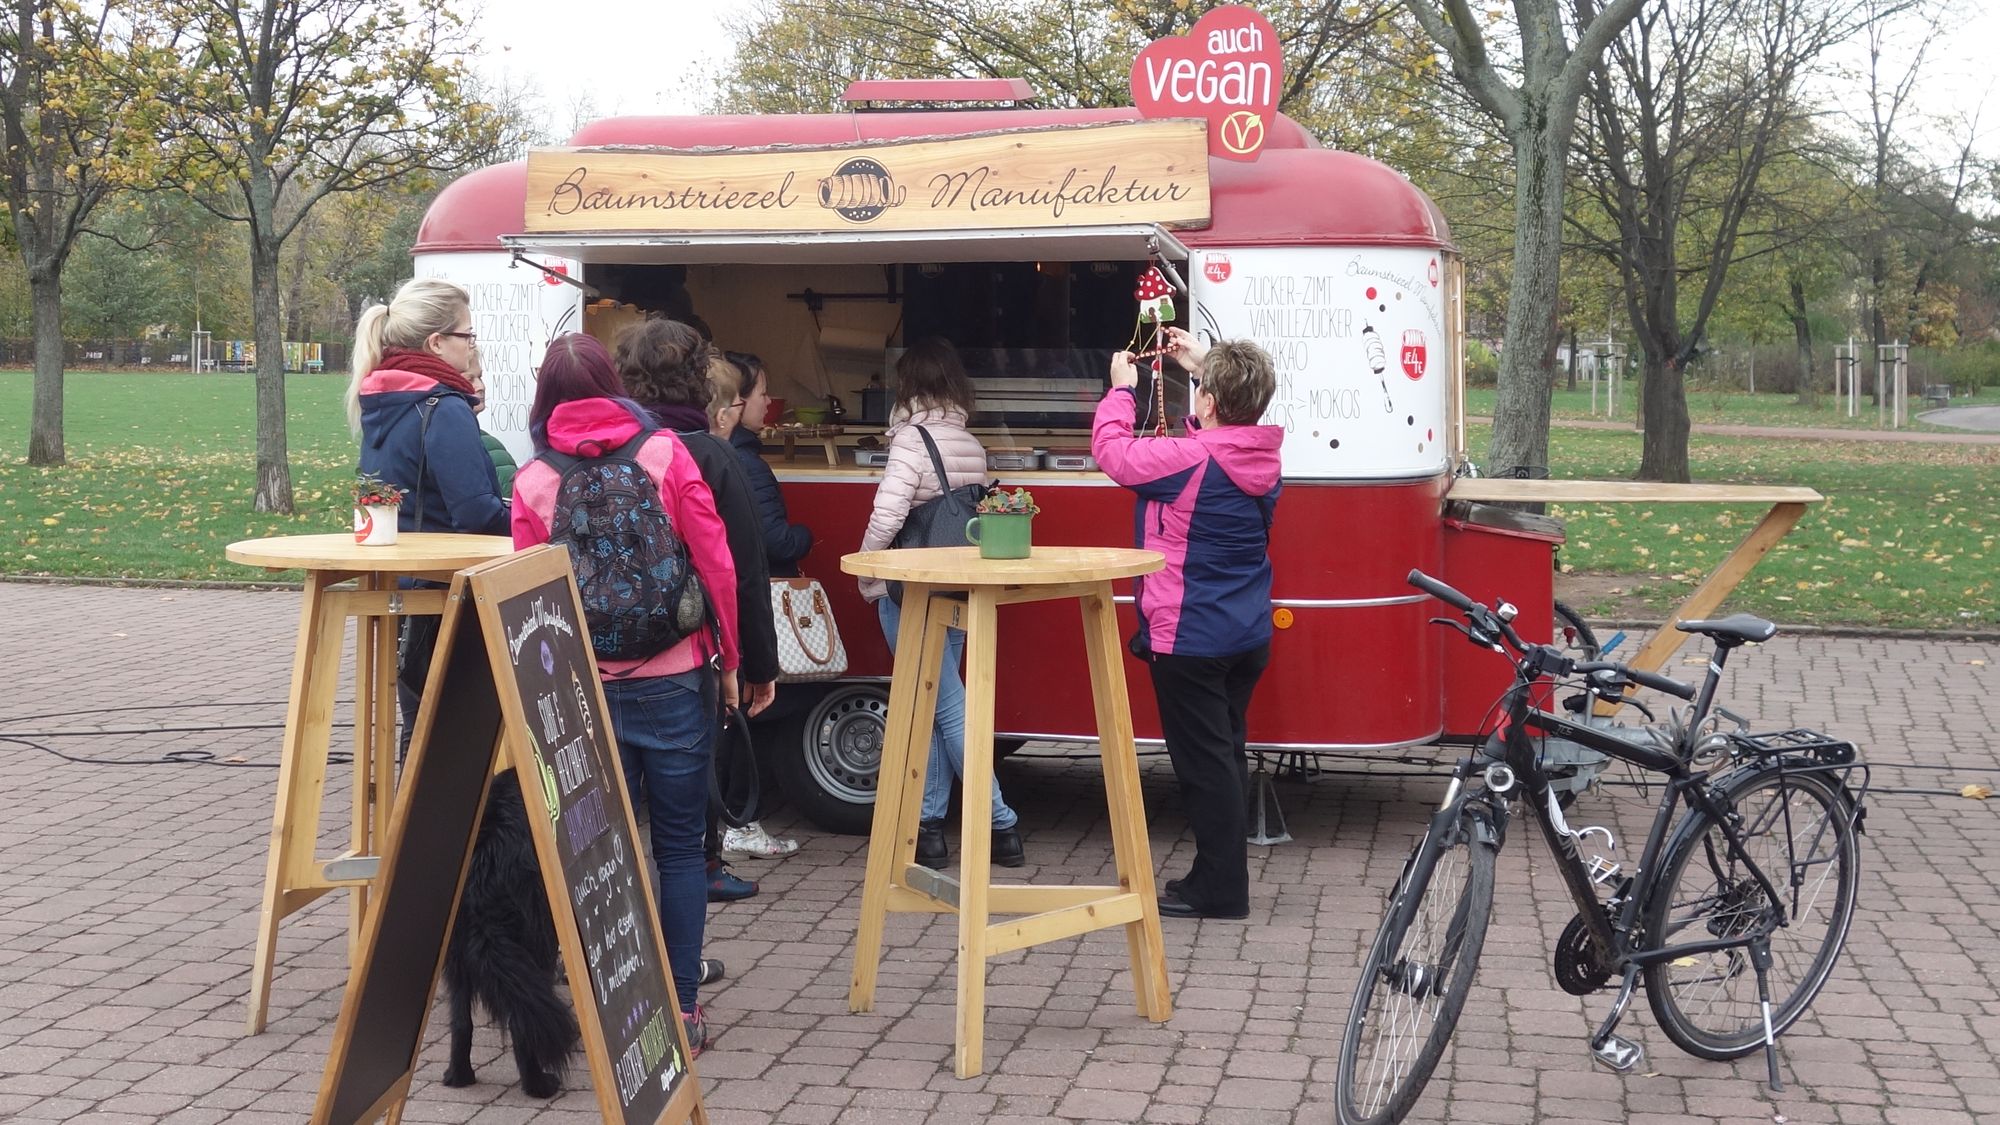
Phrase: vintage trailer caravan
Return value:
(824, 242)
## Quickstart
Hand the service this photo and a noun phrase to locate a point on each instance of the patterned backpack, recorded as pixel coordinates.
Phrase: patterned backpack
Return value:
(640, 593)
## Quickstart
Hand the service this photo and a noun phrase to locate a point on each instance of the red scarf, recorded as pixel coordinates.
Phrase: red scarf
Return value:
(429, 366)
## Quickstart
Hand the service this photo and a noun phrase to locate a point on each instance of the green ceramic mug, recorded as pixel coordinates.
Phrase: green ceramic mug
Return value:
(1000, 535)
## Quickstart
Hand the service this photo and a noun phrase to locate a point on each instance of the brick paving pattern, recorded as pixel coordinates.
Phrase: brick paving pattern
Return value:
(129, 907)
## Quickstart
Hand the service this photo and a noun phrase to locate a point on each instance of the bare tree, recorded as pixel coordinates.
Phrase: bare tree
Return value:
(1692, 103)
(1537, 112)
(283, 102)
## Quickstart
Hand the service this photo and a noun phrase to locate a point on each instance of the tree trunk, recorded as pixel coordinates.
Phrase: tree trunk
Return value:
(1802, 336)
(1572, 357)
(1663, 454)
(274, 470)
(1520, 445)
(45, 430)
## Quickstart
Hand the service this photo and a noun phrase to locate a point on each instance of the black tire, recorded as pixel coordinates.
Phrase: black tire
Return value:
(1408, 1000)
(1573, 635)
(828, 755)
(1797, 824)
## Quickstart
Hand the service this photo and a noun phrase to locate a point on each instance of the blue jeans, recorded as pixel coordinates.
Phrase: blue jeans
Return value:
(665, 740)
(947, 762)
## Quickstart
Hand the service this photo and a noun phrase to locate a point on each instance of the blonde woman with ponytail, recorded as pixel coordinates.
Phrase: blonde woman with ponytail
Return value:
(412, 401)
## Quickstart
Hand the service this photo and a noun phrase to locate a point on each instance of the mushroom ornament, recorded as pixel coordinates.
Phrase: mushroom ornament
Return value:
(1156, 297)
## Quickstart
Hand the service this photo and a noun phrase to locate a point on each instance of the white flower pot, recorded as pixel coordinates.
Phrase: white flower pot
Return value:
(375, 525)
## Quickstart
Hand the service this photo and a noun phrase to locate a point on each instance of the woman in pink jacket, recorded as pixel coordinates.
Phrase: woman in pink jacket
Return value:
(934, 396)
(662, 705)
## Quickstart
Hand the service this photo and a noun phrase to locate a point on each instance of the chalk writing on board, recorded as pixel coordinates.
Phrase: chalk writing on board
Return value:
(605, 887)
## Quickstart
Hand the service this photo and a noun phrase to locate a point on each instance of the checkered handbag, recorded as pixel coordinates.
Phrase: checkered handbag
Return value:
(809, 645)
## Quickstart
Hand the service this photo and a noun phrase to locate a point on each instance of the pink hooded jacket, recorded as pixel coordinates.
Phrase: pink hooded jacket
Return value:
(588, 428)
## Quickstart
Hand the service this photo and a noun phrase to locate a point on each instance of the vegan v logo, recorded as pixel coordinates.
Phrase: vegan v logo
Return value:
(1242, 133)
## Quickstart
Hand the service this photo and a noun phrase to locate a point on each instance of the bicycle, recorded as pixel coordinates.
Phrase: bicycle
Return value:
(1712, 930)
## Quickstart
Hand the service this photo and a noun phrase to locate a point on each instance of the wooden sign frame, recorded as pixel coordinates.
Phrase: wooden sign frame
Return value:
(379, 1034)
(1103, 173)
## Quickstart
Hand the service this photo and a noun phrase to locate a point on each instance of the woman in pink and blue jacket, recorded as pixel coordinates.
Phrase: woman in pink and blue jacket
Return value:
(1206, 502)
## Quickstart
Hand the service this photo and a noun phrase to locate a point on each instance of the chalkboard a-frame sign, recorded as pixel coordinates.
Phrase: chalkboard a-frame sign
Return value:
(513, 675)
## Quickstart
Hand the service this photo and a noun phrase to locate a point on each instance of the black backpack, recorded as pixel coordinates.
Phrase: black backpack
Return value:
(640, 593)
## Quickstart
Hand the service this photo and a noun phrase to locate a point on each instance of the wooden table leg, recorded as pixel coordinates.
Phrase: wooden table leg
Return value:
(301, 780)
(1776, 524)
(975, 849)
(900, 783)
(1126, 802)
(832, 452)
(375, 710)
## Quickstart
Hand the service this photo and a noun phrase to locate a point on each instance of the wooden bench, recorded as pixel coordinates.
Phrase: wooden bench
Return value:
(1937, 394)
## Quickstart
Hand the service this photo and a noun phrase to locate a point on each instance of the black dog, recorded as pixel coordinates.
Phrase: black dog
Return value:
(504, 952)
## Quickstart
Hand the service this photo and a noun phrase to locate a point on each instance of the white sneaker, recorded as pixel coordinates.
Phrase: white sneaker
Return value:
(751, 839)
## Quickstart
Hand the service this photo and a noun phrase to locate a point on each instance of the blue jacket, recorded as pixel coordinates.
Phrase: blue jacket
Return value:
(785, 542)
(1206, 502)
(459, 490)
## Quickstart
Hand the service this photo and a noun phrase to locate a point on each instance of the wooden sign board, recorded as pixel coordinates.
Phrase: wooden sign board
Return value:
(514, 674)
(1123, 172)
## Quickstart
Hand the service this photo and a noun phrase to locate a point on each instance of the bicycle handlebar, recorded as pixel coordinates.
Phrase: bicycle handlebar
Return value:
(1547, 658)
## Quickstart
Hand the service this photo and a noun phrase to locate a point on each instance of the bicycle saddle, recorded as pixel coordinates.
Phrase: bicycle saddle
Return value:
(1736, 629)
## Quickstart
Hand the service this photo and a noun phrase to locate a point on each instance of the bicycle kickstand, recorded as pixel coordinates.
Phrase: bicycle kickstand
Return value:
(1760, 959)
(1616, 1051)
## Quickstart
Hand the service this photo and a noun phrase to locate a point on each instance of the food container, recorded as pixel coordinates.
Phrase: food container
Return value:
(809, 415)
(871, 458)
(1013, 460)
(1070, 460)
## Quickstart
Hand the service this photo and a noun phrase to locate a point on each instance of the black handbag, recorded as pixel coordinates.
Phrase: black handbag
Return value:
(939, 521)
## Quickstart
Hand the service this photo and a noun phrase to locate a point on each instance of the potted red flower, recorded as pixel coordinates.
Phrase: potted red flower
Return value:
(376, 504)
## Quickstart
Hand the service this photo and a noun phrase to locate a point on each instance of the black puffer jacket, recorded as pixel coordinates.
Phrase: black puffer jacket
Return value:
(756, 632)
(785, 542)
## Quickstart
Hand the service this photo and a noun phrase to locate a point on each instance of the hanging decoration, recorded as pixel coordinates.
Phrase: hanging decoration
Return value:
(1156, 309)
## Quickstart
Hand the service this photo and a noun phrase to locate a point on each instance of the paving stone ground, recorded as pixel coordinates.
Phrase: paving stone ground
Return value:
(129, 904)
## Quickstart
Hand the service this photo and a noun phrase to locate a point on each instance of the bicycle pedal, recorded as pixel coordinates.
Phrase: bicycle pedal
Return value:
(1618, 1053)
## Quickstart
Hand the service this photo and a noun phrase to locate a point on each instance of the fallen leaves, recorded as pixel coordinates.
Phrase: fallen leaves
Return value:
(1976, 792)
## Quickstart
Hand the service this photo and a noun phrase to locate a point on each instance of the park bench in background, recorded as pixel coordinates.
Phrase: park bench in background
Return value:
(1937, 394)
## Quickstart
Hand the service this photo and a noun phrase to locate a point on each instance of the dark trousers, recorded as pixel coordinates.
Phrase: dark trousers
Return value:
(1203, 703)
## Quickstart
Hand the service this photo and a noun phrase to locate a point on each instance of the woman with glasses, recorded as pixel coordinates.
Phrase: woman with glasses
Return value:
(412, 400)
(1206, 502)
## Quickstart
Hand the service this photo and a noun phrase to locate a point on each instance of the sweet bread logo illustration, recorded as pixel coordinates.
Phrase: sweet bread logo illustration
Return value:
(1434, 273)
(859, 190)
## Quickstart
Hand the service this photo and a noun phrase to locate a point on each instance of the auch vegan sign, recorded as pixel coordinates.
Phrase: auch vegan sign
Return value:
(1227, 70)
(1127, 172)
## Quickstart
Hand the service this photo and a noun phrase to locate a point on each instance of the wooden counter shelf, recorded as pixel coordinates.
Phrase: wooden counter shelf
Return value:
(1787, 507)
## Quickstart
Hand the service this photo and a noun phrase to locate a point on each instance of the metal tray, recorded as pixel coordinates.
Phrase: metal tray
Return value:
(871, 458)
(1070, 460)
(1013, 460)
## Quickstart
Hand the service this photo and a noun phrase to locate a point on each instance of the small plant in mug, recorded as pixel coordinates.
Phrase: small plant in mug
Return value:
(371, 491)
(1000, 502)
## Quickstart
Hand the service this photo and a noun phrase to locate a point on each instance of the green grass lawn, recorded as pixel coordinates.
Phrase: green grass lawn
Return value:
(1736, 408)
(160, 475)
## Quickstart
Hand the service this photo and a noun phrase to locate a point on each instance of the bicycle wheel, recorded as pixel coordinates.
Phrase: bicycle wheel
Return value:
(1798, 829)
(1414, 985)
(1573, 635)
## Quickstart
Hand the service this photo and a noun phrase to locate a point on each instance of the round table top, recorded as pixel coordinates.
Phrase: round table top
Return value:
(961, 567)
(413, 551)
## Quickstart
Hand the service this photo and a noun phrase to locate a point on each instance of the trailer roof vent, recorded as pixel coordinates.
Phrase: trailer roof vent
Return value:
(938, 93)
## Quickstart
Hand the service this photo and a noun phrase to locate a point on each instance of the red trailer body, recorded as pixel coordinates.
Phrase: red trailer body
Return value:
(1337, 264)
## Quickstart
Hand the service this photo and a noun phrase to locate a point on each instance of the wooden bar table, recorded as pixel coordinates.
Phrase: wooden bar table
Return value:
(953, 587)
(295, 875)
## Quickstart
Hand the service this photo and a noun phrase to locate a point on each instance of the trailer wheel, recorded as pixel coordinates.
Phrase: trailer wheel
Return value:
(828, 754)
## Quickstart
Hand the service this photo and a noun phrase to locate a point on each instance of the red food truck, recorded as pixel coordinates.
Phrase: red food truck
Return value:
(823, 242)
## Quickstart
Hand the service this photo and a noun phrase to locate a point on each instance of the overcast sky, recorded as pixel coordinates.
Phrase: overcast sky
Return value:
(663, 58)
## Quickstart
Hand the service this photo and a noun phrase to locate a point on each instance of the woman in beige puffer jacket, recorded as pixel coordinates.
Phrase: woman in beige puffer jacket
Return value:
(932, 391)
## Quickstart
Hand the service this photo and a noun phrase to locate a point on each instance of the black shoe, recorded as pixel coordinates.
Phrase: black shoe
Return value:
(1007, 849)
(1173, 906)
(931, 849)
(1171, 887)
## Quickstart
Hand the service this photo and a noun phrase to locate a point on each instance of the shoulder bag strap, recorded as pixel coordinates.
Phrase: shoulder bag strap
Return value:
(423, 453)
(937, 460)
